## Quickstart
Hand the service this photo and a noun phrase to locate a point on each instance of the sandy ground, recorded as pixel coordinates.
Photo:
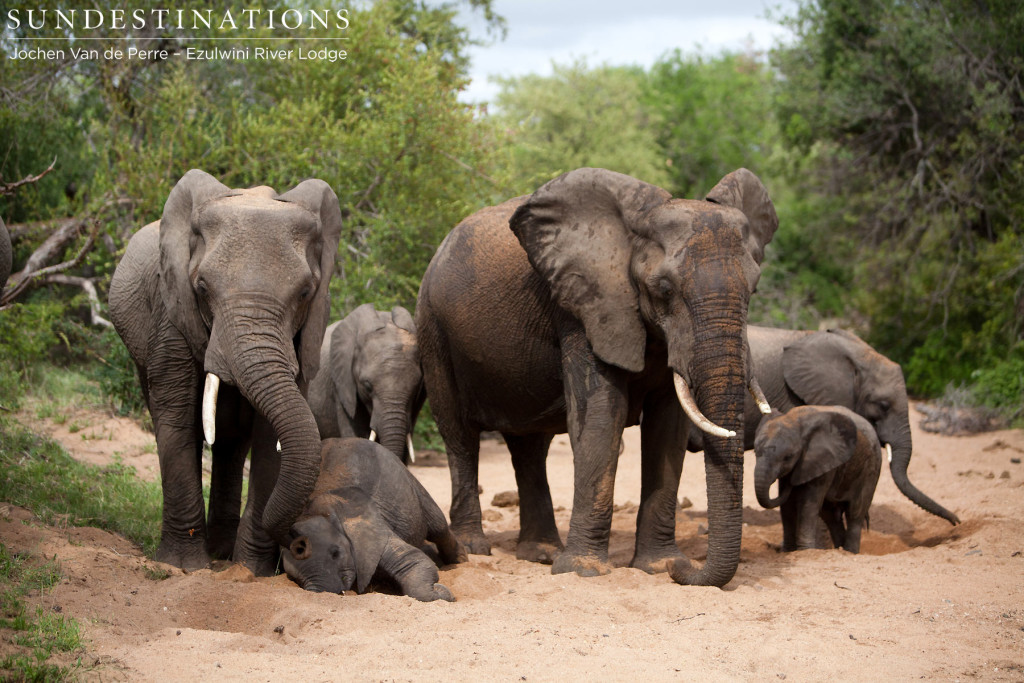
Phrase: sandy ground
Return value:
(923, 599)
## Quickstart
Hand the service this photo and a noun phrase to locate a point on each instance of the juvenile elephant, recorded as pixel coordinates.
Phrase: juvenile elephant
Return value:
(231, 285)
(800, 367)
(606, 299)
(368, 516)
(370, 382)
(826, 460)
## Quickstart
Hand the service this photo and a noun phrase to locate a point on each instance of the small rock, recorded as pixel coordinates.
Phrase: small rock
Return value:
(702, 530)
(628, 506)
(491, 515)
(505, 499)
(1004, 475)
(178, 632)
(279, 629)
(1015, 461)
(687, 503)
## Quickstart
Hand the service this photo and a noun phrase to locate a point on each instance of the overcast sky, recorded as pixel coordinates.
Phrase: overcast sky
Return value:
(615, 32)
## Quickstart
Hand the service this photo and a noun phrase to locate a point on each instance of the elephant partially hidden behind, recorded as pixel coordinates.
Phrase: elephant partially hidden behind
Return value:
(370, 381)
(837, 368)
(231, 285)
(606, 299)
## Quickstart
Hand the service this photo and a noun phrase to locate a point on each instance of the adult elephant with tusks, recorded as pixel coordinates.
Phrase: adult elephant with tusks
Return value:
(606, 300)
(230, 285)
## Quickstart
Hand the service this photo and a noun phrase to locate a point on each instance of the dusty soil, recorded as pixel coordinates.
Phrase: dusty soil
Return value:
(923, 599)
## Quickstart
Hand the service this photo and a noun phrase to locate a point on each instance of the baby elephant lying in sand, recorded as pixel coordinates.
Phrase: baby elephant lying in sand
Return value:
(827, 460)
(368, 517)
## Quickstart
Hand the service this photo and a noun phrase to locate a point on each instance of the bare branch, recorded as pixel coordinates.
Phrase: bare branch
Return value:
(27, 277)
(9, 188)
(90, 290)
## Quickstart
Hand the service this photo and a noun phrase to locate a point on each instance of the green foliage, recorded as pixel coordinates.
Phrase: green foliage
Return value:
(39, 634)
(39, 475)
(578, 116)
(914, 113)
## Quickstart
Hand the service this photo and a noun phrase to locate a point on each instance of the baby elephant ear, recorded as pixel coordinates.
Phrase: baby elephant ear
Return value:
(367, 532)
(743, 190)
(576, 232)
(830, 444)
(402, 319)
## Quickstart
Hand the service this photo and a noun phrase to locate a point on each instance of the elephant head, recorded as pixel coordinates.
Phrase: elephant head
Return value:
(244, 275)
(838, 368)
(635, 267)
(796, 447)
(331, 553)
(375, 364)
(5, 255)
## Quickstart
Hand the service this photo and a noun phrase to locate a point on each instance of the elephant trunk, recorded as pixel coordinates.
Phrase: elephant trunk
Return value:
(264, 369)
(717, 370)
(902, 447)
(392, 427)
(765, 474)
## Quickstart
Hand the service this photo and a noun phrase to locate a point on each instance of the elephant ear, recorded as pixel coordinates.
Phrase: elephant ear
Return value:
(743, 190)
(367, 531)
(317, 197)
(576, 232)
(178, 242)
(344, 342)
(402, 319)
(830, 444)
(819, 370)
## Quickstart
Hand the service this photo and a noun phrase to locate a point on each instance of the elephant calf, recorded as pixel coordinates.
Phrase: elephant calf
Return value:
(826, 460)
(368, 517)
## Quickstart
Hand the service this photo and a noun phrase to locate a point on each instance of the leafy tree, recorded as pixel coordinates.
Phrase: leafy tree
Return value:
(915, 113)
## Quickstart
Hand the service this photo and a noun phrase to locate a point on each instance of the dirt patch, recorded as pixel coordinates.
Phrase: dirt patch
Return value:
(923, 599)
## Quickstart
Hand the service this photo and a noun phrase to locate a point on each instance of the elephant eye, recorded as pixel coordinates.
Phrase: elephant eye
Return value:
(202, 287)
(884, 406)
(305, 293)
(665, 288)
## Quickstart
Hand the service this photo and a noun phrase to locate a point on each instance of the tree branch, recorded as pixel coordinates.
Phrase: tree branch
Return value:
(90, 290)
(28, 276)
(9, 188)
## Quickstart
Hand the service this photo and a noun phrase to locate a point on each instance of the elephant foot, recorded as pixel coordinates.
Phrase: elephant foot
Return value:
(658, 562)
(474, 542)
(584, 565)
(538, 551)
(220, 547)
(259, 563)
(437, 592)
(190, 557)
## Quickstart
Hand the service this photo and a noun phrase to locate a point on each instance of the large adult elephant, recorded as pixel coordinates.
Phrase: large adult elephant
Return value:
(606, 300)
(838, 368)
(231, 285)
(5, 255)
(370, 383)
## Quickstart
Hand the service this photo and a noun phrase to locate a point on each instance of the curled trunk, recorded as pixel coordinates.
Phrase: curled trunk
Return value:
(901, 451)
(764, 476)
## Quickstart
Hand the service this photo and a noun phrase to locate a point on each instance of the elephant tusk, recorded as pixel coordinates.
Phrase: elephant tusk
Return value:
(755, 390)
(373, 435)
(278, 446)
(693, 412)
(210, 407)
(412, 451)
(888, 452)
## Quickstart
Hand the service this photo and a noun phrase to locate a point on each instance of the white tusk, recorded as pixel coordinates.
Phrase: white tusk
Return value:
(373, 435)
(210, 407)
(412, 451)
(888, 452)
(693, 412)
(278, 446)
(755, 390)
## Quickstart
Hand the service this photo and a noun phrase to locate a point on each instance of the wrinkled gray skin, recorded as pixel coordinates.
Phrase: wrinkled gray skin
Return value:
(836, 367)
(370, 378)
(367, 518)
(235, 283)
(826, 460)
(575, 320)
(5, 255)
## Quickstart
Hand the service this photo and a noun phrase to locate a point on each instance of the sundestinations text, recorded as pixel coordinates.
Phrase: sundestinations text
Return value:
(162, 19)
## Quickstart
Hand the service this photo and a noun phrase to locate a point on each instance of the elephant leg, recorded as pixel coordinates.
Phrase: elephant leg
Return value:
(788, 511)
(808, 515)
(855, 526)
(662, 445)
(596, 402)
(234, 437)
(413, 571)
(253, 546)
(173, 394)
(538, 536)
(832, 514)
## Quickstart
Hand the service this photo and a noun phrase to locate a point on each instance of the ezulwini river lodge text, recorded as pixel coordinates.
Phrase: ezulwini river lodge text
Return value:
(190, 53)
